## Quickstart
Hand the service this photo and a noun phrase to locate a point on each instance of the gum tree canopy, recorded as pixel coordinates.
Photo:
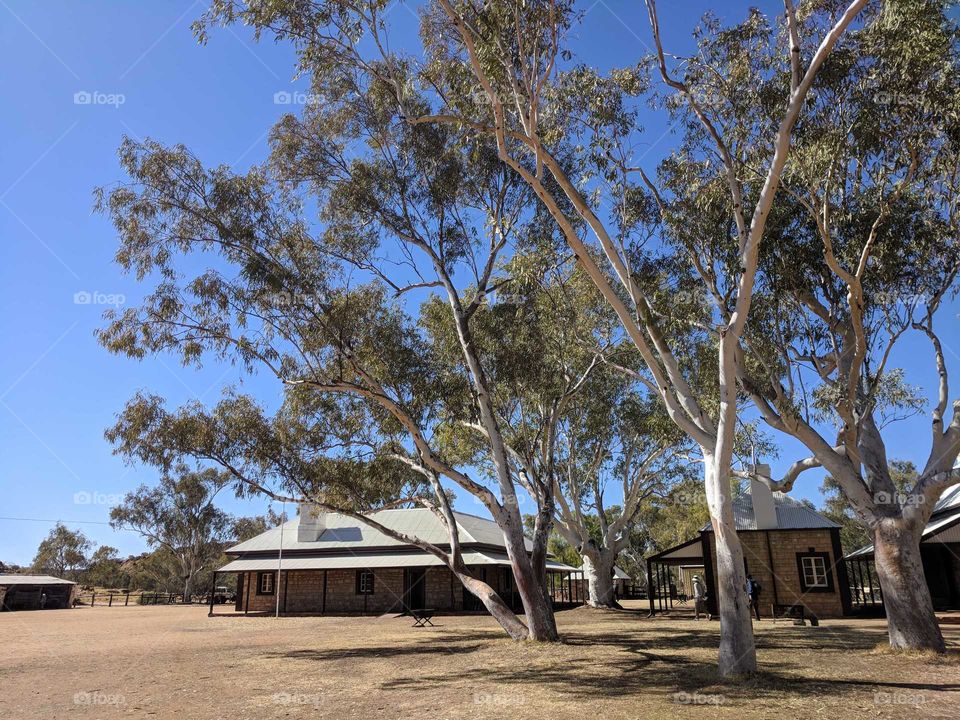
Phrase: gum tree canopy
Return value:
(401, 325)
(179, 517)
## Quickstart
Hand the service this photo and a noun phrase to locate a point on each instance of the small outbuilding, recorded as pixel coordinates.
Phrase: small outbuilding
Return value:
(35, 592)
(790, 549)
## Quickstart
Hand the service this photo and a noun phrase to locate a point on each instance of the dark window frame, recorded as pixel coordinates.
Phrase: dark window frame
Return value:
(373, 582)
(828, 568)
(273, 582)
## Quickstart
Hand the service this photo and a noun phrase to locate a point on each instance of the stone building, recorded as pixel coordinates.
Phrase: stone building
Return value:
(789, 548)
(328, 563)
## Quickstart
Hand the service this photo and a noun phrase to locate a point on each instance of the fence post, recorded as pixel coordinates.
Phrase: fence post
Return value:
(93, 599)
(110, 601)
(126, 600)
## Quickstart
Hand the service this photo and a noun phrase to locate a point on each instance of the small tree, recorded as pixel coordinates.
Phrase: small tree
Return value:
(179, 517)
(612, 443)
(106, 569)
(63, 552)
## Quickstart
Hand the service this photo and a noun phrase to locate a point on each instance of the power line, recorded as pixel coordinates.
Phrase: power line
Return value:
(77, 522)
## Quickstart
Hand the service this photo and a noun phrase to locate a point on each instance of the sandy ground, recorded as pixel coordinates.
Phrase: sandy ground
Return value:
(175, 662)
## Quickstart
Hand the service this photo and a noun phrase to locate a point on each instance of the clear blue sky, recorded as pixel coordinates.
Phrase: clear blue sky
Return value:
(145, 76)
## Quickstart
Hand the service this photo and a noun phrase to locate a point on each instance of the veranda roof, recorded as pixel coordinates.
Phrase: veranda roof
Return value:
(371, 560)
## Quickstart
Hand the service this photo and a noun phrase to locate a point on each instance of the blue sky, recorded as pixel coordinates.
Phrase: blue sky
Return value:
(77, 77)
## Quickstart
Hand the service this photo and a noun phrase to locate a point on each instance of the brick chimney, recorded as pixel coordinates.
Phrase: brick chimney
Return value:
(764, 511)
(311, 525)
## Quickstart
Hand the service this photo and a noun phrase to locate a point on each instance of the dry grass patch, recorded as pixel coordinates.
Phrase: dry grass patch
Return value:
(175, 662)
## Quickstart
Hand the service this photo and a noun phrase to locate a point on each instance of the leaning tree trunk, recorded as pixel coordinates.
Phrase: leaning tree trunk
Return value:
(537, 607)
(598, 570)
(494, 604)
(738, 654)
(911, 622)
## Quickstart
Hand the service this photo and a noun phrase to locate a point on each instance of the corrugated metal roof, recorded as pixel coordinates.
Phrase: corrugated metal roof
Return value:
(949, 499)
(380, 560)
(33, 580)
(935, 526)
(791, 514)
(343, 532)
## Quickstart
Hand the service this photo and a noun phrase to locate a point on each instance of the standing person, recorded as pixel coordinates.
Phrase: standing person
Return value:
(700, 598)
(753, 592)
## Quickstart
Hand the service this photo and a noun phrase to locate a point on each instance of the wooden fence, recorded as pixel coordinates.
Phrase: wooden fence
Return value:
(106, 598)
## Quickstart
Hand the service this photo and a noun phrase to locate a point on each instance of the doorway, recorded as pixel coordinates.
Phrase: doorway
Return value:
(415, 588)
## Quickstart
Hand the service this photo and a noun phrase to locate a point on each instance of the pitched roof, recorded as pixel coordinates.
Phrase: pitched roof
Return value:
(33, 580)
(791, 514)
(944, 519)
(345, 533)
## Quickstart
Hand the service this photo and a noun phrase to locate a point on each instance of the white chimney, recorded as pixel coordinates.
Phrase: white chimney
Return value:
(764, 511)
(311, 525)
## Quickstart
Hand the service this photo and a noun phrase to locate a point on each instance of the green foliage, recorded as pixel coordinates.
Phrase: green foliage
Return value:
(63, 553)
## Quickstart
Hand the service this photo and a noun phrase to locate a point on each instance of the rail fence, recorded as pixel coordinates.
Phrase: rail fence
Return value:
(106, 598)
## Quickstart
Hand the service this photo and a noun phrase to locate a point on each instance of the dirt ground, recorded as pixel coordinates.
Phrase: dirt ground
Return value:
(175, 662)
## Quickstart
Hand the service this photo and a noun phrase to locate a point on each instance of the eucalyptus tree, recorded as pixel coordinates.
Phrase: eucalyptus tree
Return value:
(546, 117)
(409, 216)
(616, 450)
(180, 517)
(866, 254)
(63, 552)
(498, 78)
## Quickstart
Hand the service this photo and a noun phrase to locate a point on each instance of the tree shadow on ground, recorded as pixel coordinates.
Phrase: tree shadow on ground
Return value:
(647, 657)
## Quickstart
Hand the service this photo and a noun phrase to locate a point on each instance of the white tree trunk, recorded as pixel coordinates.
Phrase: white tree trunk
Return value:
(598, 570)
(495, 606)
(738, 654)
(911, 622)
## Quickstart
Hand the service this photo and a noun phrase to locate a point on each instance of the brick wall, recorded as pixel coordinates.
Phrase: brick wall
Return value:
(301, 591)
(781, 582)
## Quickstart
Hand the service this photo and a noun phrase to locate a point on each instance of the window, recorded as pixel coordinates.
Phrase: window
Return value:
(364, 582)
(814, 569)
(265, 583)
